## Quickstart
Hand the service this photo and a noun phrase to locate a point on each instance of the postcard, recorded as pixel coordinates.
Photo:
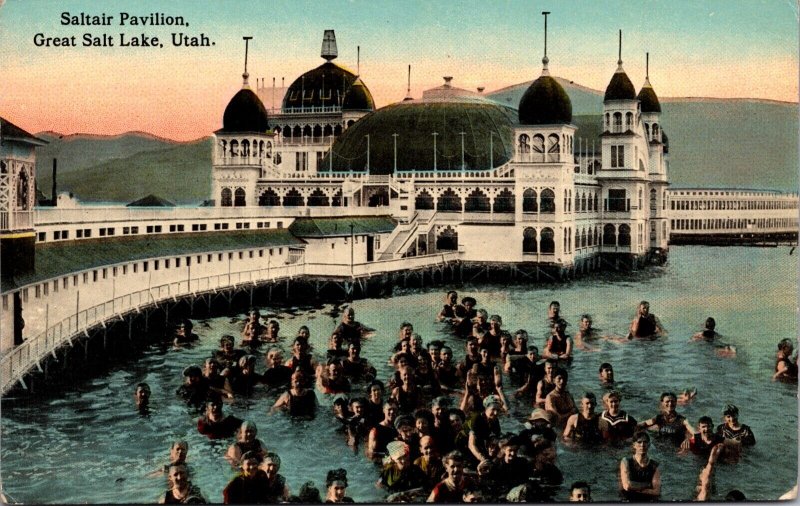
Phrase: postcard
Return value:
(378, 252)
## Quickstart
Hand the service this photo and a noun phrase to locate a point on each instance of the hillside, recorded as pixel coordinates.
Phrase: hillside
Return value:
(180, 173)
(713, 142)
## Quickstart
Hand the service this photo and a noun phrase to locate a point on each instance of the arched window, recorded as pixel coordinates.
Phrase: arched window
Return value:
(629, 121)
(234, 148)
(595, 208)
(548, 243)
(226, 198)
(477, 201)
(449, 202)
(529, 243)
(617, 122)
(609, 235)
(447, 239)
(504, 202)
(624, 235)
(337, 130)
(647, 131)
(608, 121)
(287, 132)
(548, 205)
(238, 198)
(23, 194)
(293, 198)
(327, 131)
(423, 201)
(524, 144)
(553, 148)
(656, 136)
(529, 201)
(653, 200)
(223, 147)
(583, 202)
(245, 148)
(318, 198)
(537, 147)
(337, 199)
(297, 133)
(317, 131)
(583, 238)
(269, 198)
(307, 131)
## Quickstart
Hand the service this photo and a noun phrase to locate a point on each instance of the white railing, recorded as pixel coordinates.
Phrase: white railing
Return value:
(308, 110)
(18, 361)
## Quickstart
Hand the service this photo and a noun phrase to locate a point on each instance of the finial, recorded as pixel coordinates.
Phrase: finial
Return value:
(619, 60)
(358, 60)
(408, 90)
(447, 80)
(545, 59)
(329, 51)
(245, 75)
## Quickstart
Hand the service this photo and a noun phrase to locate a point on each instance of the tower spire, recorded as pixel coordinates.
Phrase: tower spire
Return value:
(245, 75)
(329, 50)
(358, 60)
(647, 66)
(545, 60)
(408, 90)
(619, 59)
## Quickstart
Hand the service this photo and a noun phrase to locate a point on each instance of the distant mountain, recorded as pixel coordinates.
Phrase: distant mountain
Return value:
(745, 143)
(180, 173)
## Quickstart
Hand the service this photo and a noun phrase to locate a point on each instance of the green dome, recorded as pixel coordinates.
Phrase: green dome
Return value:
(245, 113)
(484, 123)
(620, 87)
(545, 103)
(326, 86)
(358, 98)
(647, 96)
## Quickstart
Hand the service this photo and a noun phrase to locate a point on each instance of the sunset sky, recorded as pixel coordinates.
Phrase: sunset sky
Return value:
(720, 48)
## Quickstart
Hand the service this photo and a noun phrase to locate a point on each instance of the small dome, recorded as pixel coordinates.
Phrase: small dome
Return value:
(327, 86)
(245, 113)
(358, 98)
(545, 103)
(620, 87)
(647, 96)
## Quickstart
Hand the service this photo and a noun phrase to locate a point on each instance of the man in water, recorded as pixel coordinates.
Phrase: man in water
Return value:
(580, 491)
(559, 346)
(705, 439)
(585, 333)
(184, 334)
(181, 490)
(350, 330)
(582, 427)
(785, 365)
(606, 373)
(214, 424)
(450, 307)
(142, 398)
(277, 374)
(735, 433)
(708, 333)
(195, 388)
(645, 325)
(250, 486)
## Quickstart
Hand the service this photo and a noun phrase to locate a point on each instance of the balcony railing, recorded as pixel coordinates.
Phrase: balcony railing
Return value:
(16, 220)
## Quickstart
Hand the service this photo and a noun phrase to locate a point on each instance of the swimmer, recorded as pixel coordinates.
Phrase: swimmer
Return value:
(331, 379)
(373, 409)
(450, 307)
(277, 375)
(585, 333)
(355, 367)
(528, 368)
(299, 401)
(645, 325)
(350, 330)
(301, 359)
(184, 334)
(383, 433)
(400, 474)
(181, 490)
(582, 427)
(553, 312)
(195, 388)
(446, 372)
(464, 315)
(510, 469)
(732, 430)
(705, 481)
(216, 383)
(559, 345)
(481, 426)
(276, 489)
(705, 439)
(639, 475)
(336, 485)
(606, 373)
(615, 424)
(687, 396)
(560, 401)
(429, 461)
(227, 356)
(451, 489)
(708, 333)
(177, 455)
(580, 491)
(141, 397)
(246, 441)
(250, 486)
(546, 385)
(271, 331)
(245, 382)
(408, 394)
(785, 365)
(214, 424)
(670, 423)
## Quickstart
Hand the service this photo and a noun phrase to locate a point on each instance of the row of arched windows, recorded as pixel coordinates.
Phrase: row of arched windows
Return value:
(694, 205)
(540, 149)
(752, 225)
(293, 198)
(309, 131)
(245, 148)
(618, 123)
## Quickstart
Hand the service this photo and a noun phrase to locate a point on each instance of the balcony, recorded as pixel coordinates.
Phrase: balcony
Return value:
(16, 220)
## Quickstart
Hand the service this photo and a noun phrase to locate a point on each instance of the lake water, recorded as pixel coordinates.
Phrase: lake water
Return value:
(90, 445)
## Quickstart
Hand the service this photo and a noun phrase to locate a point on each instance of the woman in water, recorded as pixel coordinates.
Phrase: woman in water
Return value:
(734, 432)
(669, 423)
(336, 484)
(246, 441)
(639, 475)
(451, 489)
(181, 490)
(785, 365)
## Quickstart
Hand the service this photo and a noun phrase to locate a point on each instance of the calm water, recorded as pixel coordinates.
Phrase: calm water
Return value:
(91, 446)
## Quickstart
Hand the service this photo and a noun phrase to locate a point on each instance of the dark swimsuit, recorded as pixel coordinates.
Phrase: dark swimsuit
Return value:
(302, 405)
(647, 326)
(587, 431)
(674, 430)
(638, 474)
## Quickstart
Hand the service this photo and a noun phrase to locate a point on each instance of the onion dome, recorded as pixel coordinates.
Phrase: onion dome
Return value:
(545, 102)
(358, 98)
(620, 87)
(327, 86)
(647, 96)
(482, 122)
(245, 112)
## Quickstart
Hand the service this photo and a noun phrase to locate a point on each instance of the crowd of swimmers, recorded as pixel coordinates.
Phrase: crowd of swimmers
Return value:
(433, 427)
